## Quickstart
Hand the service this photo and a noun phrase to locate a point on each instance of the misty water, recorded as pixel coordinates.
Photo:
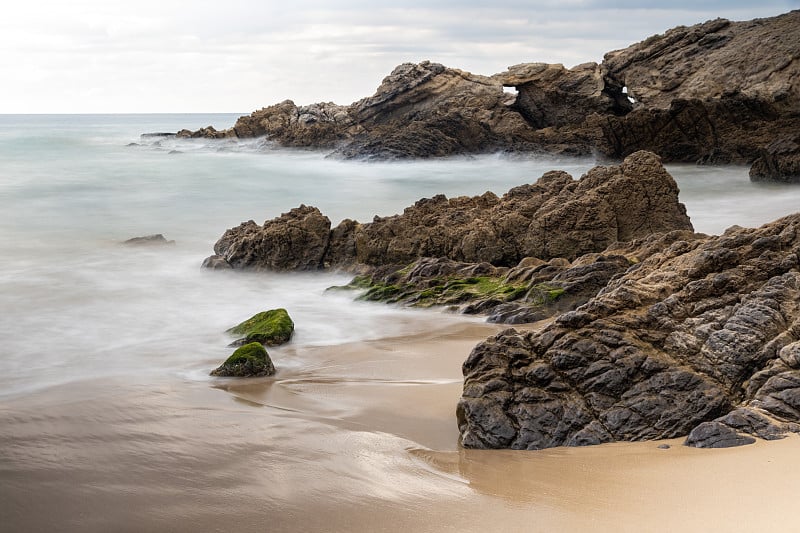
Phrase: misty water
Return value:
(112, 330)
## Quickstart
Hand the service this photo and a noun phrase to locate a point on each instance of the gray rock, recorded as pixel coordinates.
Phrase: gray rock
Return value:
(148, 240)
(699, 338)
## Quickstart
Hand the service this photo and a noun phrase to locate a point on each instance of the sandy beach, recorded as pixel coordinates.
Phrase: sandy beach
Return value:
(362, 437)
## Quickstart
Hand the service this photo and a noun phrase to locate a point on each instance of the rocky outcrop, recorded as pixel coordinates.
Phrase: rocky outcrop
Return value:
(554, 217)
(716, 92)
(778, 161)
(297, 240)
(757, 59)
(419, 110)
(531, 291)
(699, 338)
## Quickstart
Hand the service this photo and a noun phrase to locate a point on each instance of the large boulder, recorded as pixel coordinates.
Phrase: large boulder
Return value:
(555, 217)
(296, 240)
(699, 338)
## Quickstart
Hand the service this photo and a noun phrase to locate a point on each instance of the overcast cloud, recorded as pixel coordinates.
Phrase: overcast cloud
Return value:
(120, 56)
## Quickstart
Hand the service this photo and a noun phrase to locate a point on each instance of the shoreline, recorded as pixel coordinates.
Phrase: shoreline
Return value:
(364, 440)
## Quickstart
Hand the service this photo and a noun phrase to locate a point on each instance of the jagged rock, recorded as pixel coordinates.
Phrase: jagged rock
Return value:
(250, 360)
(215, 262)
(716, 92)
(758, 59)
(148, 240)
(551, 95)
(296, 240)
(320, 125)
(705, 329)
(554, 217)
(778, 161)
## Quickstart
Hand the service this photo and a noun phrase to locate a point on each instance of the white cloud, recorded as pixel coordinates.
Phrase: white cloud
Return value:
(169, 56)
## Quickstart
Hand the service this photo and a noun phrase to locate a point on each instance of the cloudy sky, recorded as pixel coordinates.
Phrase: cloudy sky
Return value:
(134, 56)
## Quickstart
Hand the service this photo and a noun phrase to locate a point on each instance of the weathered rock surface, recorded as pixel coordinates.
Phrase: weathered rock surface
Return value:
(296, 240)
(699, 338)
(554, 217)
(716, 92)
(531, 291)
(778, 161)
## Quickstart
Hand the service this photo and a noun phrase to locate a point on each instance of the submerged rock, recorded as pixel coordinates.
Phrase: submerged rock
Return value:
(250, 360)
(269, 328)
(703, 330)
(148, 240)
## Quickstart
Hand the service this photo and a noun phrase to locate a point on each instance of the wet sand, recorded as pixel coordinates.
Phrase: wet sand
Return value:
(353, 437)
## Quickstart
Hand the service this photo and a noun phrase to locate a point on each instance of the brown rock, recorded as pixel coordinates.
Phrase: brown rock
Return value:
(702, 330)
(296, 240)
(554, 217)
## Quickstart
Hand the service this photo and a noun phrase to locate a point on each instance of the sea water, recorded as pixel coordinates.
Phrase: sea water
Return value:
(73, 187)
(105, 349)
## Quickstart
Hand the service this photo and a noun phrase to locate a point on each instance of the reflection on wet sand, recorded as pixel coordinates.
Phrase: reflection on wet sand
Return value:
(360, 437)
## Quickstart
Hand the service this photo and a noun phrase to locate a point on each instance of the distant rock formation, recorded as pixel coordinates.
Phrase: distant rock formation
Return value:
(700, 338)
(555, 217)
(716, 92)
(148, 240)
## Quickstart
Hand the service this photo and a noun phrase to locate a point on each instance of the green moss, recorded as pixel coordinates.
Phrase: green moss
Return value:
(269, 328)
(249, 360)
(439, 291)
(378, 292)
(543, 293)
(253, 352)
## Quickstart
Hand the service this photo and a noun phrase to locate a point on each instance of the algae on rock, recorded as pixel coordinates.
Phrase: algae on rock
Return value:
(250, 360)
(269, 328)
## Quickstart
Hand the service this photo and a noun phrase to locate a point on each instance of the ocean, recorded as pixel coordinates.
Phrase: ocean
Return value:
(108, 416)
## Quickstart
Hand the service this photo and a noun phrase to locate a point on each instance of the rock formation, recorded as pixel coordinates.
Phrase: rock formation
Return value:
(716, 92)
(296, 240)
(250, 360)
(531, 291)
(148, 240)
(270, 328)
(554, 217)
(701, 337)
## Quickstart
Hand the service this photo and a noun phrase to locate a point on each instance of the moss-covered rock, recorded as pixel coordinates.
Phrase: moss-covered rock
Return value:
(532, 291)
(269, 328)
(250, 360)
